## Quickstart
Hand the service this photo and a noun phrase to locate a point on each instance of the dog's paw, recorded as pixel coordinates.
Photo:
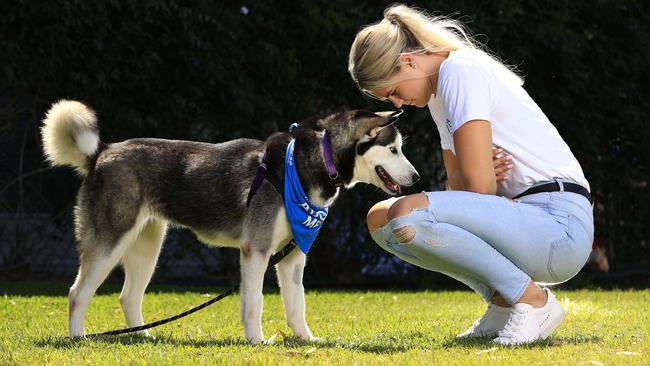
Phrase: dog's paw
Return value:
(317, 340)
(145, 334)
(257, 340)
(308, 338)
(313, 339)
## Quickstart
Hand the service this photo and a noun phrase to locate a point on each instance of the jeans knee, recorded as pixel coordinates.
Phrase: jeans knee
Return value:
(407, 204)
(378, 214)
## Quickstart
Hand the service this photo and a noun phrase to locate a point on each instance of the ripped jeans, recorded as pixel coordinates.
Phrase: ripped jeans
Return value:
(492, 243)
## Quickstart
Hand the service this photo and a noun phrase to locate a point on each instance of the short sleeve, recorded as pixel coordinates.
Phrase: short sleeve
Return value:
(465, 92)
(445, 136)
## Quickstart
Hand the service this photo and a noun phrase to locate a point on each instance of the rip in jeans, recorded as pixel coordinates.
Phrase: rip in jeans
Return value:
(405, 234)
(403, 228)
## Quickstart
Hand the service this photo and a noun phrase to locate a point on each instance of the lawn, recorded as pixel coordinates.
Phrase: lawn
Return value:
(603, 327)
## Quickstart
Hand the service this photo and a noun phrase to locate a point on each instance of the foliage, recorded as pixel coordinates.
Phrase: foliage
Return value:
(211, 72)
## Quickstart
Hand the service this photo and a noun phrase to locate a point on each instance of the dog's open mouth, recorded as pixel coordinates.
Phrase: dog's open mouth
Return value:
(389, 183)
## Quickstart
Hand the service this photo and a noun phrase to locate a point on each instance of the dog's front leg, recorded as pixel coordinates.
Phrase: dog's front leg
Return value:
(290, 271)
(253, 267)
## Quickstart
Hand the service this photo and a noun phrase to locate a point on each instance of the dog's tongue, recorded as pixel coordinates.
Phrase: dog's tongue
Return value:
(393, 186)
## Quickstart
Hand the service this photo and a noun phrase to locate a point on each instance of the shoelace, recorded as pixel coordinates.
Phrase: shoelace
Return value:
(511, 330)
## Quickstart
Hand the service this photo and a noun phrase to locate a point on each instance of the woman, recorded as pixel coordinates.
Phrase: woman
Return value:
(499, 234)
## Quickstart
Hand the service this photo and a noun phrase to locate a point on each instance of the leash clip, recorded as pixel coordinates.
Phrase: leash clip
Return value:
(293, 126)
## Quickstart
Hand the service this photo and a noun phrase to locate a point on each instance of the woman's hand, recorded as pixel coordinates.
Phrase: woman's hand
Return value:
(502, 163)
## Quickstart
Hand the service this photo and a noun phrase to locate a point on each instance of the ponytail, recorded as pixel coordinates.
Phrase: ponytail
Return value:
(374, 55)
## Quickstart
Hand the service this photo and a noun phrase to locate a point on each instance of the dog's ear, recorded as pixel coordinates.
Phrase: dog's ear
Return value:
(373, 126)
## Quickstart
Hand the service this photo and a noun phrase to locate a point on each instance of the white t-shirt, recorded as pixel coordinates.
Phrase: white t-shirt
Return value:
(472, 85)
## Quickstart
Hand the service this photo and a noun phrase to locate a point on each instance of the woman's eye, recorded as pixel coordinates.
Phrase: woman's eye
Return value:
(393, 150)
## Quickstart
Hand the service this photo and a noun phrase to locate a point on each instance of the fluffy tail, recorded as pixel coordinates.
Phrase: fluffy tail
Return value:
(70, 135)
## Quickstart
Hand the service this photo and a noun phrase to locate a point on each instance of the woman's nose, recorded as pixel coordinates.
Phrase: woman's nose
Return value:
(397, 101)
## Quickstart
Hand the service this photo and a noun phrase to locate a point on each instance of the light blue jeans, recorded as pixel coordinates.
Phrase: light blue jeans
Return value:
(492, 243)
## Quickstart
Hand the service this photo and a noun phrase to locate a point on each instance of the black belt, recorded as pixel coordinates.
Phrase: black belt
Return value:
(555, 187)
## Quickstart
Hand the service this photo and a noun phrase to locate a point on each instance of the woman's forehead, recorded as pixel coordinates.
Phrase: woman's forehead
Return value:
(379, 94)
(387, 91)
(382, 92)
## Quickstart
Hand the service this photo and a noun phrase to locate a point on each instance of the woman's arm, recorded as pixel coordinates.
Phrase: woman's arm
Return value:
(453, 175)
(502, 164)
(474, 158)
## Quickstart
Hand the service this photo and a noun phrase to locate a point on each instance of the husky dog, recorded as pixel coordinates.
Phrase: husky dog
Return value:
(133, 189)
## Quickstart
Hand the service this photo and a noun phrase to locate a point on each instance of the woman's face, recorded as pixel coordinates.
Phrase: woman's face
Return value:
(412, 87)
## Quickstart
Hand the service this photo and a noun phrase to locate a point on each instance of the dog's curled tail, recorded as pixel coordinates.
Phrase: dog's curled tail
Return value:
(70, 135)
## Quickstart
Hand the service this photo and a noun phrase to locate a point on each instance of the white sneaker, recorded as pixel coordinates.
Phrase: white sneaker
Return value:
(494, 319)
(528, 324)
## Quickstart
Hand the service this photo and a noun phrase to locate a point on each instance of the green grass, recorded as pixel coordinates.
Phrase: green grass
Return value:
(357, 327)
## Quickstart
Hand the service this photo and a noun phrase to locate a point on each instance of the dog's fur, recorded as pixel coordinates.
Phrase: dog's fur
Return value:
(133, 189)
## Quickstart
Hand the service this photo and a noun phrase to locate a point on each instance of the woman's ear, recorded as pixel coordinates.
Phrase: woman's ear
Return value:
(407, 60)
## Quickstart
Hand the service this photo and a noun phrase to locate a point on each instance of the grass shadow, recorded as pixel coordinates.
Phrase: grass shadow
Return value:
(554, 341)
(135, 339)
(367, 346)
(381, 344)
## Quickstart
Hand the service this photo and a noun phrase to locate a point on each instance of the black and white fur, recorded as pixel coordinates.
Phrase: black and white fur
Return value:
(132, 190)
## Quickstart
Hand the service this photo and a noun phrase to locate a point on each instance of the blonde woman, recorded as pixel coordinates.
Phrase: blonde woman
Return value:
(501, 226)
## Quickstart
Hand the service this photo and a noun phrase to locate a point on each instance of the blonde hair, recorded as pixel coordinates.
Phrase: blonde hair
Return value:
(374, 55)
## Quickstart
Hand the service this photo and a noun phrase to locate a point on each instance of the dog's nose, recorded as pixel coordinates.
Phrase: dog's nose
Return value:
(415, 177)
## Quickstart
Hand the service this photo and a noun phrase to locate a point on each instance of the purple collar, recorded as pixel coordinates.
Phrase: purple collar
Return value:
(329, 161)
(327, 155)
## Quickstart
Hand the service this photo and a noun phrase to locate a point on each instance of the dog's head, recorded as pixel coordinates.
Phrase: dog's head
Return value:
(368, 148)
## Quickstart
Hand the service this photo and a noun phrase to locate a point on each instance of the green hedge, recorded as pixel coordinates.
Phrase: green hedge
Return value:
(215, 71)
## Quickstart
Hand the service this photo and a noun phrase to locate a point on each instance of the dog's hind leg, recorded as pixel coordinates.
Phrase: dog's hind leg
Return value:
(101, 246)
(253, 266)
(93, 270)
(139, 262)
(290, 271)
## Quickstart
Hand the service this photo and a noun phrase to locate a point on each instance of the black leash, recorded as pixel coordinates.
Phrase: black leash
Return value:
(275, 259)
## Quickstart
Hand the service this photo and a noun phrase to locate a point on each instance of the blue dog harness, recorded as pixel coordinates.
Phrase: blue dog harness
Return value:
(304, 217)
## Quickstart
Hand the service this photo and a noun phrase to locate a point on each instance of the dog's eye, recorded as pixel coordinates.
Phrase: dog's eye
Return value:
(393, 150)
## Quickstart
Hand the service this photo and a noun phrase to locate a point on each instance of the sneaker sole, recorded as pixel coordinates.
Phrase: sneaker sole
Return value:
(472, 335)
